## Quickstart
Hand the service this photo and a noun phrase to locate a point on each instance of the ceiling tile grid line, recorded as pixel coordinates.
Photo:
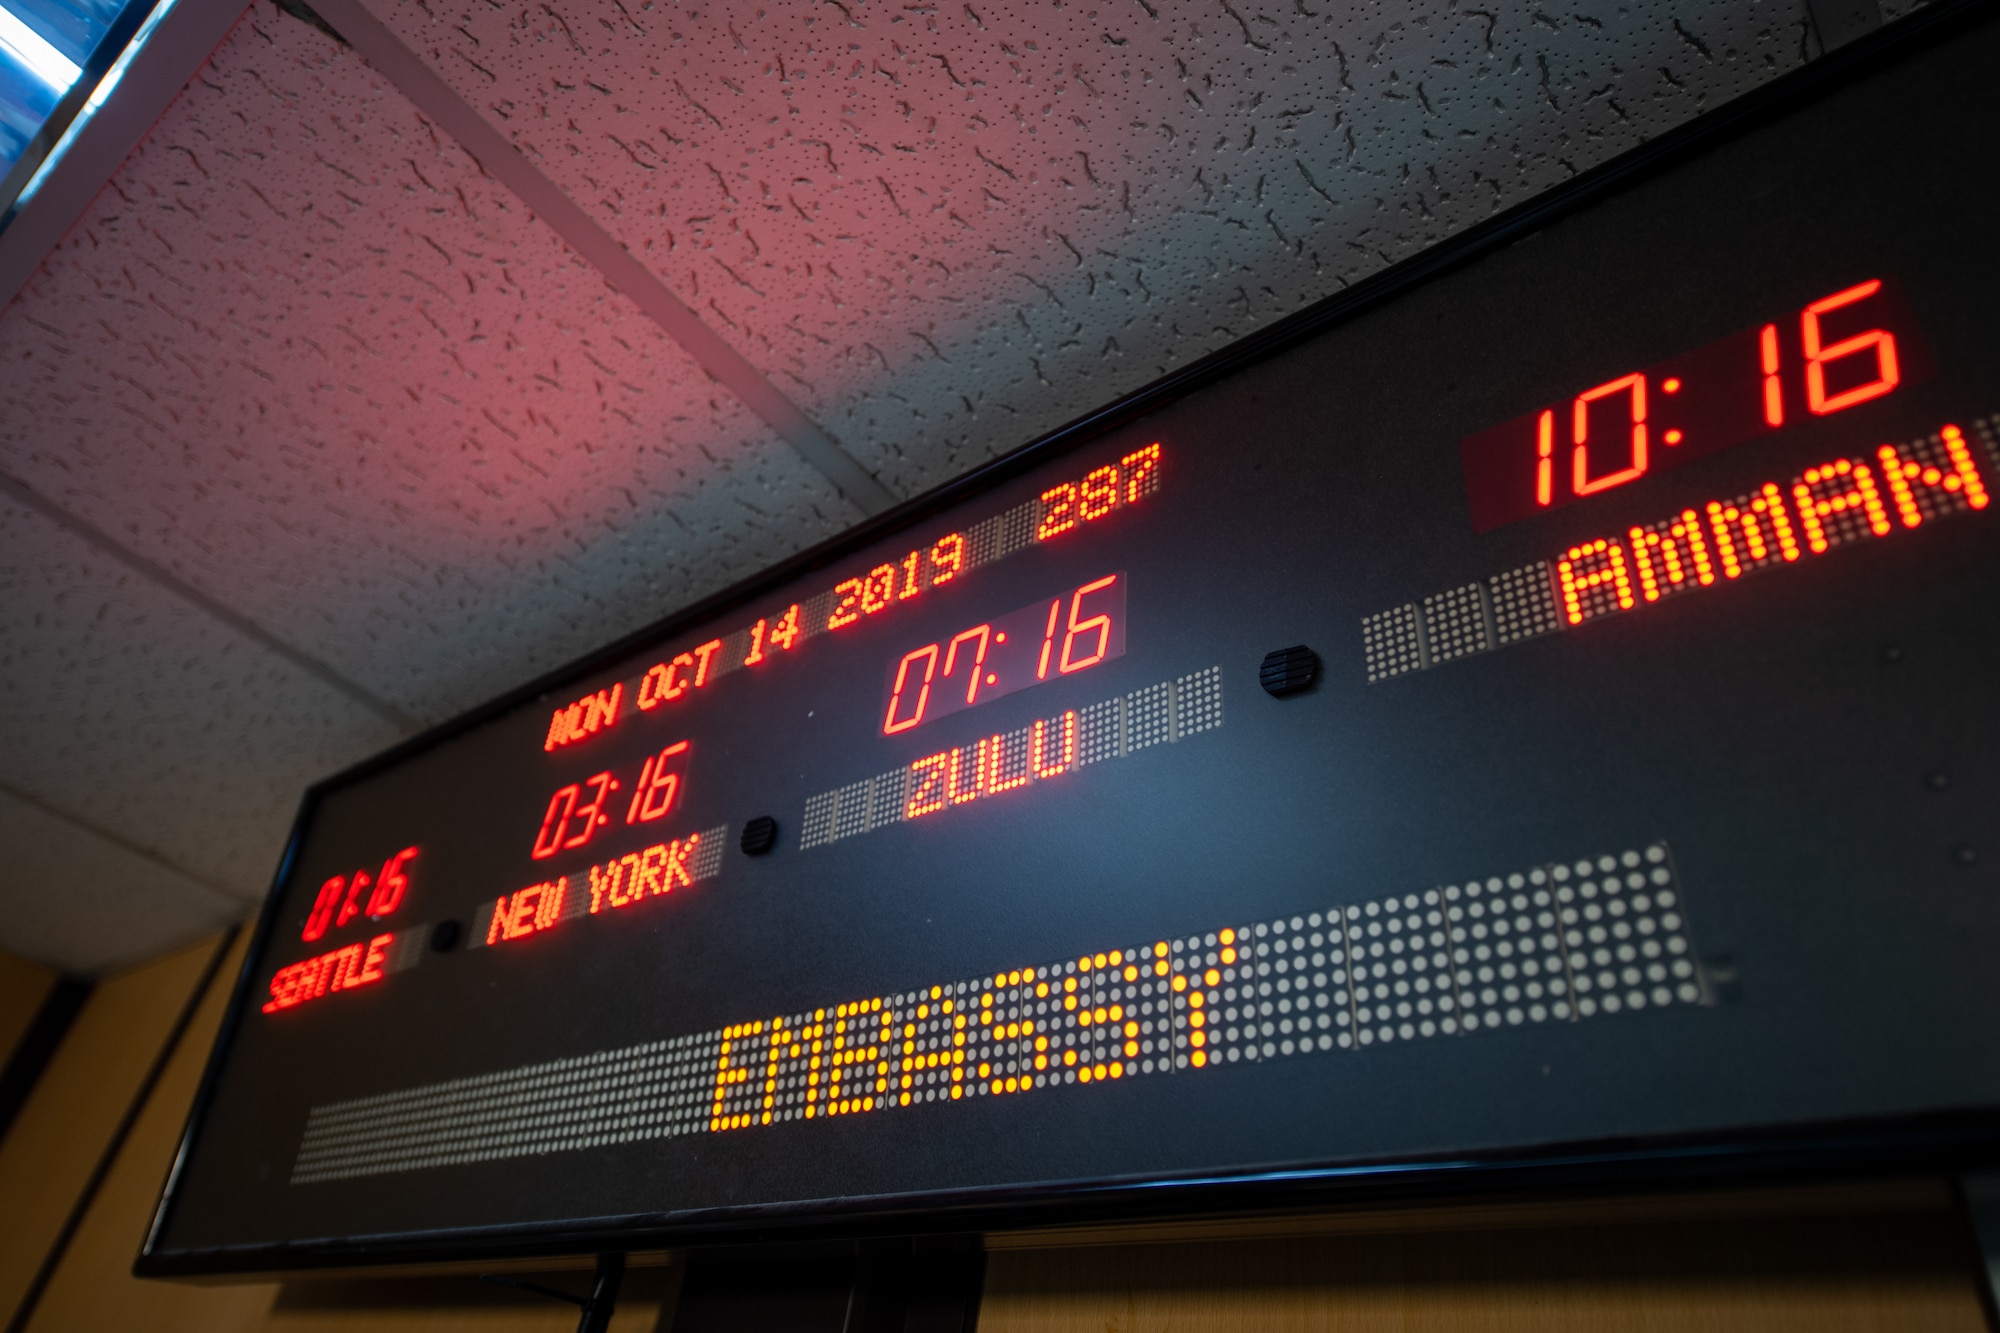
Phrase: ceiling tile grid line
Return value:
(949, 228)
(122, 843)
(183, 35)
(303, 354)
(504, 162)
(88, 905)
(25, 495)
(133, 711)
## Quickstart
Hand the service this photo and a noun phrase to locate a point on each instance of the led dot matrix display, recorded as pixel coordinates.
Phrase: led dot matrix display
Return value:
(522, 975)
(1555, 943)
(1831, 505)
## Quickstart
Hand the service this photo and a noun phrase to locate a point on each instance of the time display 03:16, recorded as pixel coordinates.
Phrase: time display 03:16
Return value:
(579, 809)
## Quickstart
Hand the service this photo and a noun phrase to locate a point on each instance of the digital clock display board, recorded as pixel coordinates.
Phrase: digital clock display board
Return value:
(1644, 795)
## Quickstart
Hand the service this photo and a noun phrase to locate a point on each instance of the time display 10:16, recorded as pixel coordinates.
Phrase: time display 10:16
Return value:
(1843, 350)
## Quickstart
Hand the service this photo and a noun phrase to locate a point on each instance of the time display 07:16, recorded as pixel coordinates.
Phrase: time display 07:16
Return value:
(1048, 639)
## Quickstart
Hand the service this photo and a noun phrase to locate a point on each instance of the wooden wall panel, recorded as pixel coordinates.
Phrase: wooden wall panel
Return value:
(94, 1287)
(1837, 1270)
(23, 987)
(61, 1132)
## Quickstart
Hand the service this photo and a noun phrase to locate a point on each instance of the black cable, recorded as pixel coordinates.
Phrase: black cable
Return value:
(596, 1307)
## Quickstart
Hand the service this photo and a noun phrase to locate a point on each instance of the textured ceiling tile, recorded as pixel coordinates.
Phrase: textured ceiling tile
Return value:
(947, 227)
(130, 710)
(86, 905)
(305, 354)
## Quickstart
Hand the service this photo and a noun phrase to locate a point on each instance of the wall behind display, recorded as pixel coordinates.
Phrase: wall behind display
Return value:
(1894, 1256)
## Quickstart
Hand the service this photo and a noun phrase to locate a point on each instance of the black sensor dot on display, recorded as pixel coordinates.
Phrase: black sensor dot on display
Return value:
(1288, 670)
(760, 835)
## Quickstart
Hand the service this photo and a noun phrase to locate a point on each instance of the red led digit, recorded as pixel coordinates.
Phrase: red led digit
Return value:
(848, 609)
(592, 815)
(639, 792)
(911, 583)
(1099, 494)
(983, 633)
(1545, 464)
(657, 785)
(1101, 623)
(786, 632)
(1141, 472)
(947, 558)
(890, 724)
(391, 884)
(1887, 373)
(1774, 393)
(878, 589)
(1048, 640)
(323, 908)
(556, 821)
(1580, 480)
(350, 907)
(1058, 513)
(756, 653)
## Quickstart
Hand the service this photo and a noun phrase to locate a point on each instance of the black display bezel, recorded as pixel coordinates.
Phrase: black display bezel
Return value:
(1941, 1141)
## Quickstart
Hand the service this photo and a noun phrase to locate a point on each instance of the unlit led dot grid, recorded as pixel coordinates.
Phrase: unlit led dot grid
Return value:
(1156, 715)
(1561, 942)
(1455, 622)
(1988, 430)
(1524, 605)
(1659, 560)
(408, 949)
(1389, 642)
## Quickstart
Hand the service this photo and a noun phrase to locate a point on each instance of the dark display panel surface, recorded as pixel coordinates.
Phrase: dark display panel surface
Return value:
(1583, 833)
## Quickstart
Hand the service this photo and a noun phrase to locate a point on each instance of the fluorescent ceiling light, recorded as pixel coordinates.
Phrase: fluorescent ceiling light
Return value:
(111, 79)
(42, 60)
